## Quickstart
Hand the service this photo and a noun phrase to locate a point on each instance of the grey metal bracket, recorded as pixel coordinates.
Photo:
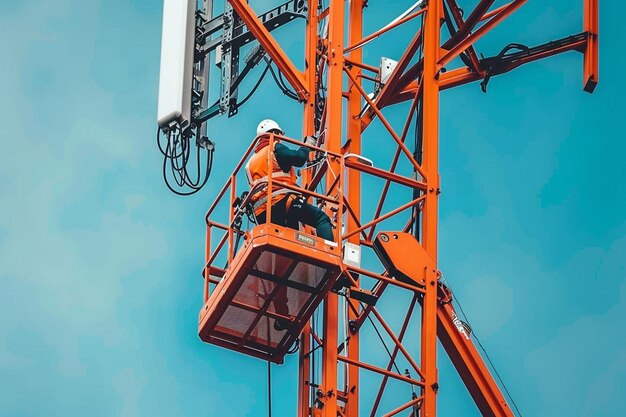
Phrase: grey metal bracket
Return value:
(234, 36)
(272, 19)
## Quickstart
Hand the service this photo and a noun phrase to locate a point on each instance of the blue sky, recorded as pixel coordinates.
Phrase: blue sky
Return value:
(99, 263)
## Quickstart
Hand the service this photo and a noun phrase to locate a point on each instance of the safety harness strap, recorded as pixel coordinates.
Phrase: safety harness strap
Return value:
(275, 175)
(263, 200)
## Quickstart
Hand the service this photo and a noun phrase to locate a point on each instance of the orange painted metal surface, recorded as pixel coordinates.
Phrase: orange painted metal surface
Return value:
(407, 261)
(353, 199)
(456, 340)
(333, 135)
(294, 76)
(278, 274)
(404, 256)
(430, 92)
(591, 27)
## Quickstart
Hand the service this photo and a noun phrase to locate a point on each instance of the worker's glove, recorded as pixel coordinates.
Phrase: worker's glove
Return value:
(310, 141)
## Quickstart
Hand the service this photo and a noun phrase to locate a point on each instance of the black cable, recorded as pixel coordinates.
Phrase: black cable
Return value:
(418, 143)
(178, 164)
(256, 86)
(195, 183)
(456, 298)
(170, 136)
(159, 131)
(158, 141)
(310, 352)
(453, 31)
(174, 167)
(295, 347)
(184, 173)
(284, 84)
(313, 325)
(237, 242)
(269, 389)
(177, 167)
(497, 61)
(384, 344)
(177, 152)
(291, 94)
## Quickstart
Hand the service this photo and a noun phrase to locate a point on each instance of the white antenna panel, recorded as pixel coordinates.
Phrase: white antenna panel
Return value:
(177, 50)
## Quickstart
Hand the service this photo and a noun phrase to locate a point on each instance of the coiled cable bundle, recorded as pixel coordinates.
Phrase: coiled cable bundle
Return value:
(175, 145)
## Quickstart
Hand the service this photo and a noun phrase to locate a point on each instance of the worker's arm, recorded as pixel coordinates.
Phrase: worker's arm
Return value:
(288, 158)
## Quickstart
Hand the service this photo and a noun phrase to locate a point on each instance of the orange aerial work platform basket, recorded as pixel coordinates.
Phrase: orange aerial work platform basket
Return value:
(270, 291)
(271, 285)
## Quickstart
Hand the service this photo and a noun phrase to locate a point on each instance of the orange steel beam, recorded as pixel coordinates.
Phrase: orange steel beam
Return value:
(470, 365)
(422, 83)
(475, 16)
(495, 11)
(458, 18)
(400, 78)
(362, 65)
(332, 138)
(408, 85)
(383, 30)
(353, 202)
(591, 26)
(387, 175)
(404, 407)
(396, 349)
(387, 125)
(430, 123)
(308, 128)
(464, 75)
(384, 217)
(465, 43)
(400, 81)
(380, 371)
(385, 280)
(353, 219)
(295, 77)
(396, 158)
(397, 343)
(391, 85)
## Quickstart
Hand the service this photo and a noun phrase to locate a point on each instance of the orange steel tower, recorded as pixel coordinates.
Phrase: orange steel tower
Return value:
(249, 270)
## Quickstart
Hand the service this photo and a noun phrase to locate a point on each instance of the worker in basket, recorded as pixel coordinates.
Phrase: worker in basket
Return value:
(288, 207)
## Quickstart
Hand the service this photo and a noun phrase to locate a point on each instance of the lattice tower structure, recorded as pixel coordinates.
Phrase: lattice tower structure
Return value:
(341, 97)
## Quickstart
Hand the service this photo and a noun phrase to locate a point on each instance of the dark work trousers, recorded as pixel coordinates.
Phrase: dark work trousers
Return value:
(300, 211)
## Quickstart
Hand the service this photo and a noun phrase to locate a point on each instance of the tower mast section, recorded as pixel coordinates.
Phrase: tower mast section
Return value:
(341, 97)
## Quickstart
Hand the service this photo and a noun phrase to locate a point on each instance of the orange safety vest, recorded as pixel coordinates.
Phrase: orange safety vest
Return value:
(257, 171)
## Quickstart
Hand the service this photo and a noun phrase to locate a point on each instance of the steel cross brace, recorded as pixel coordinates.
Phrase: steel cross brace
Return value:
(262, 34)
(500, 65)
(403, 83)
(235, 35)
(272, 19)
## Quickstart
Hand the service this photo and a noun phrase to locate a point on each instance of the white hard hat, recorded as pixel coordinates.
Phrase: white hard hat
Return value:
(267, 125)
